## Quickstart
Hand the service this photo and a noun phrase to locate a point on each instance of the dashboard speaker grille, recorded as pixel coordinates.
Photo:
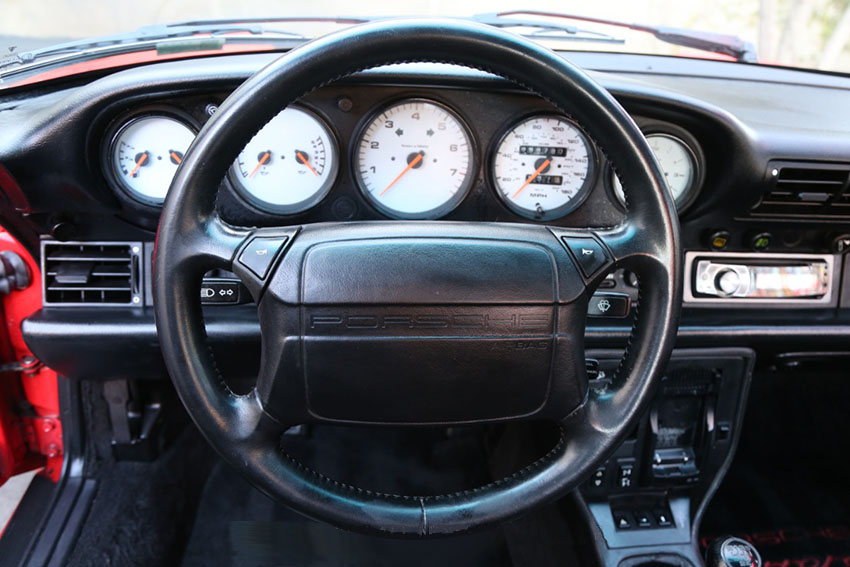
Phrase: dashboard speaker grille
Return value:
(91, 273)
(806, 190)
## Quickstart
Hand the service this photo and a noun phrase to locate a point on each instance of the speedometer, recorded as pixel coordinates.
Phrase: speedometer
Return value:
(542, 167)
(415, 160)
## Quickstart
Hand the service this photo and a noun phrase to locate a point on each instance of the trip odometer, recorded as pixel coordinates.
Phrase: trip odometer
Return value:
(543, 167)
(415, 160)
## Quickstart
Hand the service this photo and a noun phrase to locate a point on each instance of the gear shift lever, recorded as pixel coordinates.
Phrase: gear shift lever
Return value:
(731, 551)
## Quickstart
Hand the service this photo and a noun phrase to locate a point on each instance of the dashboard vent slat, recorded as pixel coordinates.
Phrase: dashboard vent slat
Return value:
(91, 273)
(806, 190)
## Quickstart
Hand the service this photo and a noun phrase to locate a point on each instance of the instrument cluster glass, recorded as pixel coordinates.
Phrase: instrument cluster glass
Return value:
(678, 163)
(146, 152)
(542, 167)
(289, 165)
(414, 160)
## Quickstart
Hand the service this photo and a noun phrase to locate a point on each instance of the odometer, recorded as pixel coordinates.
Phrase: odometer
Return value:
(415, 160)
(542, 167)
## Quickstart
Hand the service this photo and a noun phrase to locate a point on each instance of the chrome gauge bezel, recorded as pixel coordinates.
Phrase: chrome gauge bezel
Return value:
(437, 212)
(235, 177)
(581, 195)
(691, 145)
(113, 135)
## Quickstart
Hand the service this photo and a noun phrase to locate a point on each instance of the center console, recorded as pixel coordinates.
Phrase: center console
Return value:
(651, 493)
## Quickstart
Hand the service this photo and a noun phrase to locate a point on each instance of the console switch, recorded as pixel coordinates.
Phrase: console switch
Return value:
(612, 305)
(624, 474)
(677, 462)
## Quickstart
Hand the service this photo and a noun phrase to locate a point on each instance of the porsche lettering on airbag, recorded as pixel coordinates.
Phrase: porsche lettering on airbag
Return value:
(499, 323)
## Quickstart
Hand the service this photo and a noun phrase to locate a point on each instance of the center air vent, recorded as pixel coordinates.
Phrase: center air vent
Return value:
(91, 273)
(806, 190)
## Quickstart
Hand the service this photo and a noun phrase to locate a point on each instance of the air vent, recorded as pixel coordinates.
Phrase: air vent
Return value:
(806, 190)
(91, 273)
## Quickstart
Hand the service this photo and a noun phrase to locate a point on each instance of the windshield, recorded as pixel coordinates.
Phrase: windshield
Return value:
(801, 33)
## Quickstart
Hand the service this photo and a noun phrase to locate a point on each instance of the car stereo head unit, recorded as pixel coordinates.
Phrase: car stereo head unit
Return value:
(793, 280)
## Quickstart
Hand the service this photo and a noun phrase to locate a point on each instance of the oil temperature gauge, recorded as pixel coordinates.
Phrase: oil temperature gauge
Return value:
(145, 154)
(289, 165)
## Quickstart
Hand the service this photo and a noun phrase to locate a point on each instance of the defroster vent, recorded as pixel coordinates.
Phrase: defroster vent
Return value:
(92, 273)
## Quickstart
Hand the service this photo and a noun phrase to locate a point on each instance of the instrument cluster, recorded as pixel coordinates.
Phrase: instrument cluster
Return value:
(410, 158)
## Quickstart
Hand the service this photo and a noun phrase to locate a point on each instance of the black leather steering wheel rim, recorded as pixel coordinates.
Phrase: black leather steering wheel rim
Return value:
(192, 239)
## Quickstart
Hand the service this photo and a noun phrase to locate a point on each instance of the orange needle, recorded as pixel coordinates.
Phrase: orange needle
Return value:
(139, 164)
(264, 159)
(176, 158)
(410, 166)
(534, 175)
(307, 163)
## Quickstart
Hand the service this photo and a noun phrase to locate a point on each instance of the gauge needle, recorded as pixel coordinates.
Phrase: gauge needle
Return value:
(263, 160)
(410, 166)
(534, 175)
(139, 164)
(300, 156)
(175, 157)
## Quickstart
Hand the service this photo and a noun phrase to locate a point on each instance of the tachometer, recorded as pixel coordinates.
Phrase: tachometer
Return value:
(415, 160)
(678, 163)
(542, 167)
(145, 153)
(289, 165)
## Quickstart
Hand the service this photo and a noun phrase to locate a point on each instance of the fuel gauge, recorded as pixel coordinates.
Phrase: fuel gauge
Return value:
(145, 154)
(289, 165)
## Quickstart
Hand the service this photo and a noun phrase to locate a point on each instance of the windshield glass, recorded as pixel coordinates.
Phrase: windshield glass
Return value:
(801, 33)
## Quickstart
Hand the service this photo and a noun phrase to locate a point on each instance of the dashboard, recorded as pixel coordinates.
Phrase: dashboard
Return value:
(761, 191)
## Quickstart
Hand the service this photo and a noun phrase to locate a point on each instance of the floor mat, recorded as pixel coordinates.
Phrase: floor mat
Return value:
(788, 491)
(237, 525)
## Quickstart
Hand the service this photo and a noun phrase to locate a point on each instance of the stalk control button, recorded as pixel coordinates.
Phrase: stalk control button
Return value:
(260, 253)
(588, 252)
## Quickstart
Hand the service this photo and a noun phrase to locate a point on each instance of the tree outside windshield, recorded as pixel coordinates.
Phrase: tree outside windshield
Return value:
(800, 33)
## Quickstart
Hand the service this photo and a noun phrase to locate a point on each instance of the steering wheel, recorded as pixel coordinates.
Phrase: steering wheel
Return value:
(416, 323)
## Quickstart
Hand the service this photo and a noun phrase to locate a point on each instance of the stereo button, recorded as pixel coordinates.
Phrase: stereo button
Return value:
(728, 282)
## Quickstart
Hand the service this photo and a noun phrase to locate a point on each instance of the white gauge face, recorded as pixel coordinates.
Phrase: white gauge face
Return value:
(289, 165)
(146, 153)
(542, 167)
(415, 160)
(677, 163)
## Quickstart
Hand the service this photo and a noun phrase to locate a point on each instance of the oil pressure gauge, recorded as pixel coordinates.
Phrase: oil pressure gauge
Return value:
(542, 167)
(289, 165)
(145, 153)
